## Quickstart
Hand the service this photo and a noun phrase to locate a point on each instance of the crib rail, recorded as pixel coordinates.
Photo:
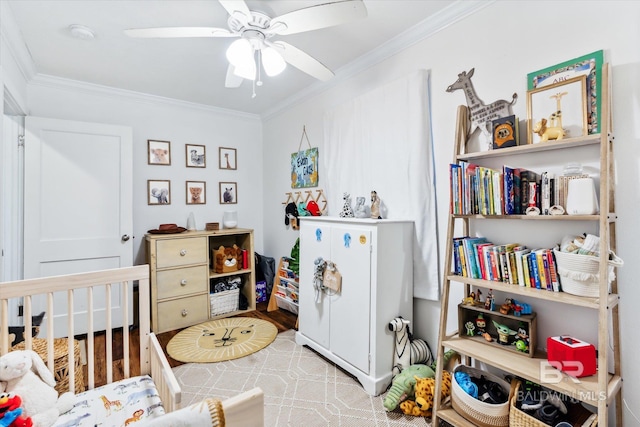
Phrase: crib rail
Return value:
(108, 282)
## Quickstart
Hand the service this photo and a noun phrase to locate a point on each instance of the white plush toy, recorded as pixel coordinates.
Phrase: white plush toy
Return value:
(24, 373)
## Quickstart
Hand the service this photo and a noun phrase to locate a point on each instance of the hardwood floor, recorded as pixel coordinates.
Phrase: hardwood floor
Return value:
(282, 319)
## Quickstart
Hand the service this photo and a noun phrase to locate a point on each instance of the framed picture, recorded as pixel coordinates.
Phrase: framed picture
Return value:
(228, 158)
(557, 111)
(195, 156)
(228, 193)
(304, 168)
(159, 152)
(196, 192)
(589, 65)
(158, 192)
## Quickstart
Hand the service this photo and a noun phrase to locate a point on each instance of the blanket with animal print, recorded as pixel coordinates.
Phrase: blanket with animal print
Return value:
(122, 403)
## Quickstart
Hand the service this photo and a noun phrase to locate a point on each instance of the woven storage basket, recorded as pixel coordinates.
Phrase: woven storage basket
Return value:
(60, 362)
(579, 274)
(224, 302)
(519, 418)
(478, 412)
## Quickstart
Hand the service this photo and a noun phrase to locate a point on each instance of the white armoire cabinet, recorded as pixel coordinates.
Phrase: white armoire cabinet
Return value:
(350, 328)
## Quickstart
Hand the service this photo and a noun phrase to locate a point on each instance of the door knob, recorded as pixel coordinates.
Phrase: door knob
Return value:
(125, 237)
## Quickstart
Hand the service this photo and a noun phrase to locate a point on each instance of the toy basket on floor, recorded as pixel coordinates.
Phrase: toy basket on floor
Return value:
(519, 418)
(480, 413)
(60, 362)
(579, 274)
(224, 302)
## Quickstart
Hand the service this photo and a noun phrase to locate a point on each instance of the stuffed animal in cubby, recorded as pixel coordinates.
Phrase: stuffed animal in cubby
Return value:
(227, 259)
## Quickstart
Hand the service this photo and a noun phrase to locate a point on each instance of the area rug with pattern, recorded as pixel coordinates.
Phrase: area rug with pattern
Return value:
(301, 388)
(222, 339)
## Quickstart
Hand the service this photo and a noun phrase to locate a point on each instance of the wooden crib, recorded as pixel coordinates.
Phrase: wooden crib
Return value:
(245, 409)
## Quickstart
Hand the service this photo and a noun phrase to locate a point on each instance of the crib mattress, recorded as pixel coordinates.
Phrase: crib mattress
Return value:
(114, 405)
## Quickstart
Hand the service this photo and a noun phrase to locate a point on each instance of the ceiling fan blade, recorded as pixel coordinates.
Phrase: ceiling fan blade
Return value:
(320, 16)
(236, 8)
(303, 61)
(232, 80)
(176, 32)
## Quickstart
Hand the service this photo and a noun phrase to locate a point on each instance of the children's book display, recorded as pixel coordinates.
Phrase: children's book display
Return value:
(492, 333)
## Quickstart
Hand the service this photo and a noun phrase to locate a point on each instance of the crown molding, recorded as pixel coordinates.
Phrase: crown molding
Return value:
(54, 82)
(12, 40)
(451, 14)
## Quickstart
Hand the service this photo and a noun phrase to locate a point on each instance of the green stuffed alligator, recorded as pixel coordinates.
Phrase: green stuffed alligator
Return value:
(403, 384)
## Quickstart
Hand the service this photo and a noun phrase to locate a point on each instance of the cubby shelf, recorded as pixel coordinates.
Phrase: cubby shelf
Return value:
(561, 297)
(585, 389)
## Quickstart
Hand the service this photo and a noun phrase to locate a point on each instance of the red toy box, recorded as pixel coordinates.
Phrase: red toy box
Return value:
(572, 356)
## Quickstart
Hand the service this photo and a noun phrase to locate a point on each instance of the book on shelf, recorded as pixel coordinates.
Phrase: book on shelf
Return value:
(547, 270)
(519, 266)
(506, 132)
(505, 261)
(454, 190)
(533, 269)
(541, 270)
(553, 272)
(481, 260)
(497, 191)
(468, 243)
(509, 190)
(546, 192)
(457, 261)
(526, 176)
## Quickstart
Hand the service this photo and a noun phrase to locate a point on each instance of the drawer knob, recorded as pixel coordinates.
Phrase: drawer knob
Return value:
(184, 313)
(183, 282)
(183, 252)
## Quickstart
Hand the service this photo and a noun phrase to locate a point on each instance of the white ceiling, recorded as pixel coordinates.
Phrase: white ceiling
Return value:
(194, 69)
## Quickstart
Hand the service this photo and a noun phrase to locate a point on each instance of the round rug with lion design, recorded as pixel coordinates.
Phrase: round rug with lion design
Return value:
(222, 339)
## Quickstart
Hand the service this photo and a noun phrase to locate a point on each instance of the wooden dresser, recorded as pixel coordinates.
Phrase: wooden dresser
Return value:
(181, 273)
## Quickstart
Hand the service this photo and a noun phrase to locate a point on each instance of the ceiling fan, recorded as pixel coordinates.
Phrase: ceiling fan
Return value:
(255, 32)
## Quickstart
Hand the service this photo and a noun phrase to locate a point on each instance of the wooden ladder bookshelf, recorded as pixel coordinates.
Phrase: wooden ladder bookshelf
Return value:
(598, 390)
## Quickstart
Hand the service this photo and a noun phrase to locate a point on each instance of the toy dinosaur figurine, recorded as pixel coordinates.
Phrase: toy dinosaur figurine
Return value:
(403, 384)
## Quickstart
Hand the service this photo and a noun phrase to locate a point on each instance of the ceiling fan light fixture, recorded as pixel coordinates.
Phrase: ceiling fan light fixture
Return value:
(240, 53)
(246, 70)
(272, 62)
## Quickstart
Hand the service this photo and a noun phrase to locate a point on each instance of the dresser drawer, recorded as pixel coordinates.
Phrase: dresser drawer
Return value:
(177, 252)
(183, 312)
(182, 281)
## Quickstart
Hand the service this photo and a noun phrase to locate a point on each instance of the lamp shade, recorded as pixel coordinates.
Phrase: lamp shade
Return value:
(240, 52)
(241, 55)
(272, 62)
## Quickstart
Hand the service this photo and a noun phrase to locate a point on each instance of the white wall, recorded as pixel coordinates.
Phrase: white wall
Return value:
(503, 42)
(179, 123)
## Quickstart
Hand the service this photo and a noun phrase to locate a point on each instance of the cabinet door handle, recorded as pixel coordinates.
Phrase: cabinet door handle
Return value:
(184, 313)
(183, 252)
(183, 282)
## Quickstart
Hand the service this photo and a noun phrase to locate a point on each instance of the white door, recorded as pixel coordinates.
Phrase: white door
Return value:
(350, 309)
(77, 200)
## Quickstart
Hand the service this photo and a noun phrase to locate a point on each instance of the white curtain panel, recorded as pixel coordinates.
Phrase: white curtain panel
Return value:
(382, 141)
